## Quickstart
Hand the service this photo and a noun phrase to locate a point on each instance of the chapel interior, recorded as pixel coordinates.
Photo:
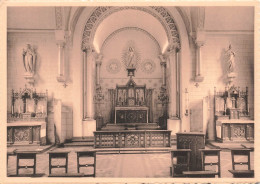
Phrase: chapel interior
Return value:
(177, 79)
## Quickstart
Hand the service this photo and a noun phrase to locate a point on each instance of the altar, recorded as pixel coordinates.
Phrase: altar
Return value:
(131, 115)
(233, 123)
(26, 124)
(235, 130)
(131, 102)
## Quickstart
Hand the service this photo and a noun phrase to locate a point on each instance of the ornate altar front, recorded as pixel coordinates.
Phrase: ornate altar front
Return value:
(232, 118)
(131, 103)
(27, 121)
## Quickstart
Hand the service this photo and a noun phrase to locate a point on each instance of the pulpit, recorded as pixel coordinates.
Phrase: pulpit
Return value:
(194, 141)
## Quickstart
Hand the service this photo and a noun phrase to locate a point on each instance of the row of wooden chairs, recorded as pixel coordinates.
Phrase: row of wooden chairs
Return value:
(180, 159)
(31, 155)
(181, 163)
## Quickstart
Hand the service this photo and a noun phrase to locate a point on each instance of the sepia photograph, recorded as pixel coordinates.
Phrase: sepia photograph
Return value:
(130, 91)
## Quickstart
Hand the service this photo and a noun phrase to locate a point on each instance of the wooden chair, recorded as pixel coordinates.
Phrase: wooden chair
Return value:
(241, 173)
(180, 161)
(206, 173)
(89, 153)
(58, 154)
(28, 155)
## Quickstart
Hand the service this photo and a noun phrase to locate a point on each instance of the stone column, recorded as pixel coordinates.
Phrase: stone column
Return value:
(60, 40)
(98, 65)
(173, 123)
(173, 84)
(89, 124)
(200, 40)
(89, 60)
(61, 66)
(163, 59)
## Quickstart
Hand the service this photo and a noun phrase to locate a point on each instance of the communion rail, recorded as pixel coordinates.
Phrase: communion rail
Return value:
(132, 139)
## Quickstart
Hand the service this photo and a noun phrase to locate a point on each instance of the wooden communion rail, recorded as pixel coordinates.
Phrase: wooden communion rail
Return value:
(132, 139)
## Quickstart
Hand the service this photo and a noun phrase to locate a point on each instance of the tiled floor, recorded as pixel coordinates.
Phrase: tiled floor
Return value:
(153, 165)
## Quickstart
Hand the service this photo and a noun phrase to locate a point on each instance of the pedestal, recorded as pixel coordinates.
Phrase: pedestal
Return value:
(174, 125)
(88, 127)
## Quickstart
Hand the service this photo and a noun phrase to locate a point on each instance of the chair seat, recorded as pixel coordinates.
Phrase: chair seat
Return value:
(67, 175)
(242, 173)
(195, 174)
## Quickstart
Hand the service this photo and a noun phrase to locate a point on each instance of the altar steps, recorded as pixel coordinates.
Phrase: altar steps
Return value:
(80, 141)
(131, 126)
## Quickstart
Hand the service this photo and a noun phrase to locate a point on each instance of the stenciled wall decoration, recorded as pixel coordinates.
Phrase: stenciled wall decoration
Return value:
(113, 66)
(148, 66)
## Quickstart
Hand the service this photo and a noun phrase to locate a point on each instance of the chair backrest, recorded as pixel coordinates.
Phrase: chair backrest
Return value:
(212, 153)
(240, 152)
(180, 161)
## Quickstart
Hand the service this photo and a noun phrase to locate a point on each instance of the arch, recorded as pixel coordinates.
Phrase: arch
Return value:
(76, 60)
(100, 13)
(131, 28)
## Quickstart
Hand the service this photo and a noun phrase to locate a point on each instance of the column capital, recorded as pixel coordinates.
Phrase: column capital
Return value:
(200, 38)
(60, 35)
(88, 48)
(163, 57)
(172, 48)
(99, 58)
(163, 63)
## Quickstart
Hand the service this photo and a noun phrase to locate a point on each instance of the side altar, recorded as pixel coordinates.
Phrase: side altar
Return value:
(27, 124)
(233, 123)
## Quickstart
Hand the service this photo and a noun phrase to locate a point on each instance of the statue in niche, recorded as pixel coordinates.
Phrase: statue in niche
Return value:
(29, 59)
(130, 58)
(231, 59)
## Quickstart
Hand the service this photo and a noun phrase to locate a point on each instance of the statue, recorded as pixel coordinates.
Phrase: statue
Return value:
(29, 60)
(130, 57)
(230, 60)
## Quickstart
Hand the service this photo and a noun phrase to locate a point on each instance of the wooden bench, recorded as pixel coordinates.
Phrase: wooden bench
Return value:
(58, 154)
(199, 174)
(67, 175)
(241, 173)
(89, 153)
(28, 155)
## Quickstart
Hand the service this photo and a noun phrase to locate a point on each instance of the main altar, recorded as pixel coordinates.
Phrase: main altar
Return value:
(131, 103)
(131, 107)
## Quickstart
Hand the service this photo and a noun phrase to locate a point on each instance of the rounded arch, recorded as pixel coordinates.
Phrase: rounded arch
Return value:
(76, 59)
(101, 13)
(131, 28)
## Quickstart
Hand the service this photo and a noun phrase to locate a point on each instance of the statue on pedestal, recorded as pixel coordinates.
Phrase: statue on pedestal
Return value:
(130, 58)
(29, 60)
(230, 60)
(231, 65)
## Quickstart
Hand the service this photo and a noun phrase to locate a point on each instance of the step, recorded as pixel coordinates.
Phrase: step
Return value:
(82, 139)
(85, 144)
